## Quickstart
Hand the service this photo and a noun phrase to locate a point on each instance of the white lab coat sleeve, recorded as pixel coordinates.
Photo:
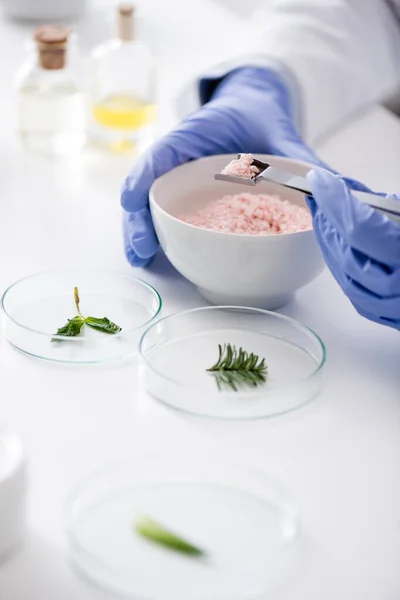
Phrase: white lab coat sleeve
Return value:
(336, 56)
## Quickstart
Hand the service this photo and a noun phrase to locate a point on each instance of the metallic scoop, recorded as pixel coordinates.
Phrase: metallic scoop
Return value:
(387, 206)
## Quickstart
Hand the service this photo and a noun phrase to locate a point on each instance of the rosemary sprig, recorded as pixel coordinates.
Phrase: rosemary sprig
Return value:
(74, 326)
(236, 367)
(157, 533)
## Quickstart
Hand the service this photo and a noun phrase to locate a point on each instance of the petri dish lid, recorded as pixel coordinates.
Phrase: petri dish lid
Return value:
(35, 307)
(178, 350)
(244, 521)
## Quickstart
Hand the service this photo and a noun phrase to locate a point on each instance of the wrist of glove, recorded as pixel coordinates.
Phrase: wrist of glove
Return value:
(360, 245)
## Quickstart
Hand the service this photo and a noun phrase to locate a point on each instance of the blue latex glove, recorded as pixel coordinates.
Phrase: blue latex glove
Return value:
(249, 111)
(360, 245)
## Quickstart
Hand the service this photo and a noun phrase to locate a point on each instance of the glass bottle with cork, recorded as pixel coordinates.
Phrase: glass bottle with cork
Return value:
(51, 110)
(124, 88)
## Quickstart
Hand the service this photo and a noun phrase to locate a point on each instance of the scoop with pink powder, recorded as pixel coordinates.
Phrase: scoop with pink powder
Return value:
(242, 166)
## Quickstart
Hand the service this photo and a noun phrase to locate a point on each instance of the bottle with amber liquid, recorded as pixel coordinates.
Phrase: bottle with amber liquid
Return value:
(124, 88)
(50, 102)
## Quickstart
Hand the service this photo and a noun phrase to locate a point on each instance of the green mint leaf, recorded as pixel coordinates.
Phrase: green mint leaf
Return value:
(154, 532)
(103, 324)
(236, 368)
(72, 328)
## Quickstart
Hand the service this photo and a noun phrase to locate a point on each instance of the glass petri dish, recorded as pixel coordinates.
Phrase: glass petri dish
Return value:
(178, 350)
(244, 521)
(34, 308)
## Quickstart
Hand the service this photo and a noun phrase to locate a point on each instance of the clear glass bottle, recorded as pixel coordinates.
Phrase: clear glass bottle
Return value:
(51, 109)
(124, 89)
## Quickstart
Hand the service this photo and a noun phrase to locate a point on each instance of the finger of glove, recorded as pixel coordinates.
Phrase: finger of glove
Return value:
(361, 297)
(394, 323)
(382, 307)
(351, 183)
(362, 227)
(135, 190)
(130, 254)
(374, 276)
(140, 233)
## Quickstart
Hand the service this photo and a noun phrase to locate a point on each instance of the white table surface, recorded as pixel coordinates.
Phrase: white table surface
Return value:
(340, 457)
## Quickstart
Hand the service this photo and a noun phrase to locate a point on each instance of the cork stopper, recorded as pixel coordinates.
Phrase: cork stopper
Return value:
(52, 43)
(125, 22)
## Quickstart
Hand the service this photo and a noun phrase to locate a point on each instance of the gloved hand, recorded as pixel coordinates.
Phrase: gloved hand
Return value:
(249, 111)
(360, 245)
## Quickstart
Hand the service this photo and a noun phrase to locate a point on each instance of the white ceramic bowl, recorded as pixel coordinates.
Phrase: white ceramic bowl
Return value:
(13, 483)
(242, 270)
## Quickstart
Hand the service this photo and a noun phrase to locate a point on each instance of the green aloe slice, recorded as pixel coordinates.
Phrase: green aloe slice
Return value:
(157, 533)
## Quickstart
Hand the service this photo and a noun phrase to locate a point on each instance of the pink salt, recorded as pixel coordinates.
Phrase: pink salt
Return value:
(241, 167)
(255, 214)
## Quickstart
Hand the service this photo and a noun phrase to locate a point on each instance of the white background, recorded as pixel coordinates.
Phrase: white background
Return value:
(340, 457)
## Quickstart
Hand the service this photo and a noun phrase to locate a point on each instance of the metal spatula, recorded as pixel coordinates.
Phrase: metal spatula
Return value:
(387, 206)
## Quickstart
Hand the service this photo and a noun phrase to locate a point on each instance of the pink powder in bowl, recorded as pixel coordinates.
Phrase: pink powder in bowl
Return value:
(241, 167)
(254, 214)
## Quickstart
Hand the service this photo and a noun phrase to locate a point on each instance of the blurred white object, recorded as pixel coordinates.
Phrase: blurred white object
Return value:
(242, 270)
(39, 10)
(13, 483)
(124, 88)
(51, 109)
